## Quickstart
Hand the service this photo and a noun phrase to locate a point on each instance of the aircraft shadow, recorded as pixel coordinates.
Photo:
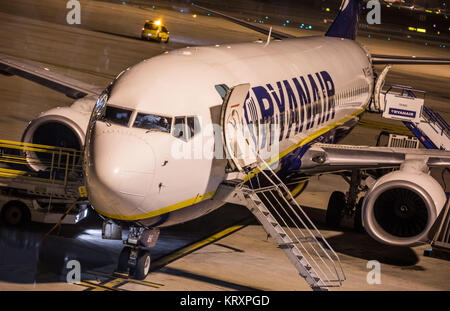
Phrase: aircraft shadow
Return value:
(361, 245)
(206, 279)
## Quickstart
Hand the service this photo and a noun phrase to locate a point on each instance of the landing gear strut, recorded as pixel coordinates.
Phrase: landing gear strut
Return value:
(134, 259)
(343, 205)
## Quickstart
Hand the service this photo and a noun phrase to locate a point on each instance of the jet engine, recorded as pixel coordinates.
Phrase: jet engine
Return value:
(402, 206)
(60, 127)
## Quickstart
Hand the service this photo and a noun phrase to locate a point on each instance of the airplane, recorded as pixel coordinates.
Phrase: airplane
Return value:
(157, 146)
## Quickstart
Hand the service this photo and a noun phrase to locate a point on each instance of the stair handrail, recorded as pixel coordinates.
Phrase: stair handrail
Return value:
(282, 185)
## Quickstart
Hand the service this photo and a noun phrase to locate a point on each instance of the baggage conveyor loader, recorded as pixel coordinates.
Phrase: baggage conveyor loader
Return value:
(38, 183)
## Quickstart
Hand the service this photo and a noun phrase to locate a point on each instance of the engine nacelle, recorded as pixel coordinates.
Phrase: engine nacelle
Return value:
(60, 127)
(402, 206)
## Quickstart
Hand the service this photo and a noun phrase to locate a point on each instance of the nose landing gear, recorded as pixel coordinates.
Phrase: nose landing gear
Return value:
(134, 259)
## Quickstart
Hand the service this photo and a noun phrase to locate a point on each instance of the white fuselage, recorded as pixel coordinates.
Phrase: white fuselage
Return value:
(305, 86)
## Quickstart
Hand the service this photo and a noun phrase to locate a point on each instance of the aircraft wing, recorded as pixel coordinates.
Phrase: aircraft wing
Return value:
(72, 88)
(329, 158)
(264, 30)
(408, 60)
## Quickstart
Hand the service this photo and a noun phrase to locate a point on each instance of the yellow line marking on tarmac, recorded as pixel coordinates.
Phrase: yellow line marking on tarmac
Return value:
(117, 279)
(123, 278)
(98, 287)
(161, 262)
(114, 283)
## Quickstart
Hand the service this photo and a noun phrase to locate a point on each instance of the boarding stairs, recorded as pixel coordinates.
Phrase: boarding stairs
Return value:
(406, 104)
(441, 239)
(292, 230)
(259, 188)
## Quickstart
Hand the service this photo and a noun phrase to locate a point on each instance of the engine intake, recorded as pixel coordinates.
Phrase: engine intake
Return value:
(59, 127)
(402, 207)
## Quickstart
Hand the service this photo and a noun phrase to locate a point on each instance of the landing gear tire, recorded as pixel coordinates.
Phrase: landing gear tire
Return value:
(358, 225)
(15, 214)
(142, 265)
(124, 256)
(336, 206)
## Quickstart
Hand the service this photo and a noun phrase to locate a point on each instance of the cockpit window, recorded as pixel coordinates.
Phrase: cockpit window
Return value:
(186, 130)
(117, 115)
(179, 129)
(152, 122)
(193, 125)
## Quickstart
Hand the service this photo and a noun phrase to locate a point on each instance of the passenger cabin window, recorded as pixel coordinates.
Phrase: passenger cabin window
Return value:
(152, 122)
(117, 115)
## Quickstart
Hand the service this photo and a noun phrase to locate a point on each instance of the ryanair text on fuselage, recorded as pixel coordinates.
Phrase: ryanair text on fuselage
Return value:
(304, 102)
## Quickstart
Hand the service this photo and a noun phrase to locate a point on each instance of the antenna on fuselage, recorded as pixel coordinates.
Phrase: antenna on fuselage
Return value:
(268, 38)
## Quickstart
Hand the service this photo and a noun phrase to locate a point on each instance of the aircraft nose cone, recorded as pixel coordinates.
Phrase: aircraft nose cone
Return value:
(119, 173)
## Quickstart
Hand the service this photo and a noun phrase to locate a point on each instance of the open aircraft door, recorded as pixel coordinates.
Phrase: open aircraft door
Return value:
(240, 148)
(378, 97)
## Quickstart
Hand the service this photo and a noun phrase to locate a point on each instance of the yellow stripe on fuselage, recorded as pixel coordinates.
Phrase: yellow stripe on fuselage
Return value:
(253, 173)
(167, 209)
